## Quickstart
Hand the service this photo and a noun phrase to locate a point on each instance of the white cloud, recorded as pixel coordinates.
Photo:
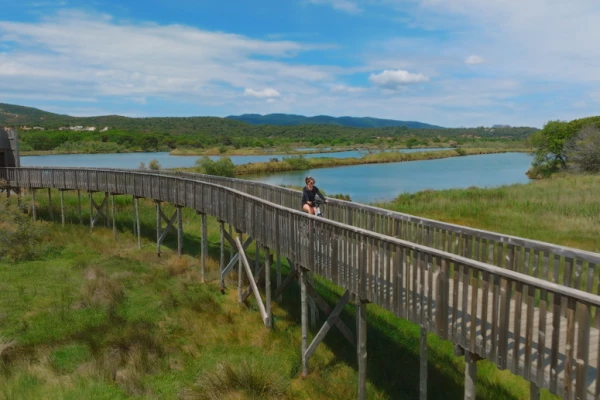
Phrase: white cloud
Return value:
(79, 54)
(271, 100)
(262, 94)
(472, 60)
(347, 89)
(396, 79)
(342, 5)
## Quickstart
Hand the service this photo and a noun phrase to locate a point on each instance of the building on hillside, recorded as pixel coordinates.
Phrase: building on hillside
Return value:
(104, 129)
(89, 128)
(9, 148)
(38, 128)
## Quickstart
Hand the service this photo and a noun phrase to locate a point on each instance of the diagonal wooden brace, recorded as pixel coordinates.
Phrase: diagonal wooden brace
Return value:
(97, 210)
(261, 306)
(322, 304)
(236, 256)
(257, 280)
(331, 320)
(170, 225)
(291, 276)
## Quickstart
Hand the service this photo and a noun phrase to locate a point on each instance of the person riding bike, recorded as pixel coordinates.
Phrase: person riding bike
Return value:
(309, 193)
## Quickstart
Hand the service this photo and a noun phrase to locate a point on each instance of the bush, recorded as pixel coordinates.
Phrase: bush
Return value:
(583, 150)
(20, 237)
(246, 378)
(222, 167)
(461, 151)
(297, 163)
(154, 164)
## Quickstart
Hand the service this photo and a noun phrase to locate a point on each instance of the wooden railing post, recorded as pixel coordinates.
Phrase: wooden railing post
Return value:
(361, 346)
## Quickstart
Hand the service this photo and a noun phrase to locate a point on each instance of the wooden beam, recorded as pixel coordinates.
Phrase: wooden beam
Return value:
(137, 221)
(62, 207)
(112, 208)
(268, 261)
(331, 321)
(79, 206)
(291, 276)
(33, 204)
(234, 260)
(261, 306)
(240, 272)
(50, 205)
(204, 247)
(222, 257)
(534, 391)
(470, 374)
(423, 364)
(99, 209)
(361, 348)
(322, 304)
(304, 319)
(179, 231)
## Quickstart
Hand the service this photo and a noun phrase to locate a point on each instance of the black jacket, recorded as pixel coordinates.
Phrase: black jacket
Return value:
(309, 195)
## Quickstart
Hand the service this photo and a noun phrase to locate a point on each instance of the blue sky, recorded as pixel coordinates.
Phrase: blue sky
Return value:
(446, 62)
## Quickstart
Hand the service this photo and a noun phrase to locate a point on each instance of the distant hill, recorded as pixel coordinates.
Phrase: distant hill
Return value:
(352, 122)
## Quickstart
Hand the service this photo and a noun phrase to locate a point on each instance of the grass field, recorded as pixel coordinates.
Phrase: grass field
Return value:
(563, 210)
(86, 316)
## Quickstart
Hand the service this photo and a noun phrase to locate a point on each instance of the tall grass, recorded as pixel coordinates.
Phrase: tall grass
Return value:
(94, 317)
(564, 209)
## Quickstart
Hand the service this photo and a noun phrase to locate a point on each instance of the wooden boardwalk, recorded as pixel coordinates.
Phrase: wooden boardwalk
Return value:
(526, 306)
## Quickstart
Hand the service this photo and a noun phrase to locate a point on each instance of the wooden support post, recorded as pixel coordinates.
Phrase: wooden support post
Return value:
(62, 207)
(240, 274)
(91, 210)
(361, 346)
(106, 195)
(534, 391)
(179, 231)
(222, 258)
(114, 224)
(33, 204)
(231, 247)
(304, 316)
(312, 305)
(423, 364)
(137, 222)
(79, 206)
(279, 298)
(50, 205)
(204, 248)
(158, 227)
(333, 319)
(470, 374)
(256, 258)
(268, 261)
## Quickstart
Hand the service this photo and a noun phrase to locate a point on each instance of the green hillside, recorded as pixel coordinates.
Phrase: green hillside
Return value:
(353, 122)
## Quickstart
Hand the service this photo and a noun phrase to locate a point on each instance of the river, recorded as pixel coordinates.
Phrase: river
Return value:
(364, 183)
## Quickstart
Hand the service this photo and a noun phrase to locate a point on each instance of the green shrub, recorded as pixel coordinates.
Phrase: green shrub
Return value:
(246, 378)
(222, 167)
(298, 162)
(154, 164)
(20, 237)
(461, 151)
(583, 150)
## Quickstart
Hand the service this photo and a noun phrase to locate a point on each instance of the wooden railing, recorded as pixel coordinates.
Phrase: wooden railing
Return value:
(567, 266)
(540, 330)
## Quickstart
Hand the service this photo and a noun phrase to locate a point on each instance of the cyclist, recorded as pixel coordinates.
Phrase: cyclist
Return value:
(309, 193)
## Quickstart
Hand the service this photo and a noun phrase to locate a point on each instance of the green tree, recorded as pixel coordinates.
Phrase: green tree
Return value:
(222, 167)
(583, 150)
(549, 146)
